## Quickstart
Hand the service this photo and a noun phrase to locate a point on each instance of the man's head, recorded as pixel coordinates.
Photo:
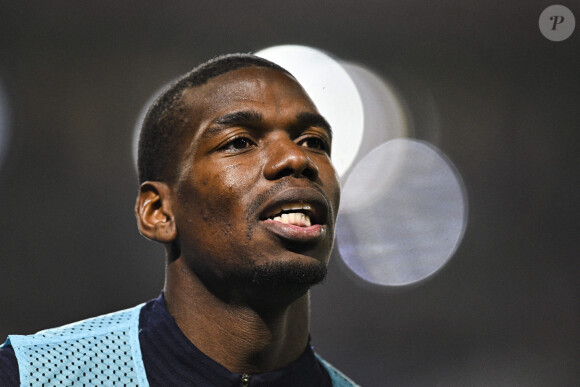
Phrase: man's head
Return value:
(248, 198)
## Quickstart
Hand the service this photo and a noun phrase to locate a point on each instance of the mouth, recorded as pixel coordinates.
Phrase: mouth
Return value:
(298, 214)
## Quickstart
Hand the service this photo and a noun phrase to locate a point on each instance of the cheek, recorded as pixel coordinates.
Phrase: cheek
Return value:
(203, 221)
(214, 198)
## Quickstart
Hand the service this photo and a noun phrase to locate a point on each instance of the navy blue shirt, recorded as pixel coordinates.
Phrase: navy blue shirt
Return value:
(170, 359)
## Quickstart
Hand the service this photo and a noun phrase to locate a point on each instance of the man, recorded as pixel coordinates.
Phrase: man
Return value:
(238, 185)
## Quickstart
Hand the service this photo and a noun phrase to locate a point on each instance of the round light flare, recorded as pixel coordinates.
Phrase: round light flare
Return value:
(403, 213)
(333, 92)
(385, 117)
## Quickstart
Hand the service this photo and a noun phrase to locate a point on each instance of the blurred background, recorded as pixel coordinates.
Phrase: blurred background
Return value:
(479, 81)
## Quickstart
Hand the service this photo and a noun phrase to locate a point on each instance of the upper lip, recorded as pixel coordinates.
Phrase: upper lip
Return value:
(315, 205)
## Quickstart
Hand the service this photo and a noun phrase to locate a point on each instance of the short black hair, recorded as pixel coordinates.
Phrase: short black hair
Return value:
(161, 130)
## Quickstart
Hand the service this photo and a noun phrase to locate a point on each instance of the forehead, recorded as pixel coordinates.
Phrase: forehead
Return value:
(261, 87)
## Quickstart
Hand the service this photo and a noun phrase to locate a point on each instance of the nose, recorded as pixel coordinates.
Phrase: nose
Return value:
(286, 158)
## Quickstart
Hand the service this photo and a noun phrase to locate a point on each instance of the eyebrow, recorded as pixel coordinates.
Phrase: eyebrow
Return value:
(241, 118)
(307, 119)
(254, 118)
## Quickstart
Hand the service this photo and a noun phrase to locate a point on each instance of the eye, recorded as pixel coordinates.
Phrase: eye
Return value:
(238, 144)
(315, 143)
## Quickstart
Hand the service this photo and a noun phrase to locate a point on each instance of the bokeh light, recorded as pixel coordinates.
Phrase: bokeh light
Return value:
(384, 113)
(403, 213)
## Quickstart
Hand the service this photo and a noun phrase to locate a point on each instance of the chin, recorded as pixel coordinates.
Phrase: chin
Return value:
(279, 274)
(279, 282)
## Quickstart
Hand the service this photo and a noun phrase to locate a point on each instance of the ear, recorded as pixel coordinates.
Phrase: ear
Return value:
(153, 210)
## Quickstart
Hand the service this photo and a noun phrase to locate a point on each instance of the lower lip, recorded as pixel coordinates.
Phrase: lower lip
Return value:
(296, 233)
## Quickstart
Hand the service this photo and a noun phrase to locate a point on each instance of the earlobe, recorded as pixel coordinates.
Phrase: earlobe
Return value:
(153, 210)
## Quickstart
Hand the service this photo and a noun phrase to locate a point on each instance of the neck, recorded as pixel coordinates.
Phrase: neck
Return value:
(240, 336)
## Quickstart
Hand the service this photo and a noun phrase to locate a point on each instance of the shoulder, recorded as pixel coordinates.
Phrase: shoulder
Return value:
(77, 351)
(338, 378)
(92, 327)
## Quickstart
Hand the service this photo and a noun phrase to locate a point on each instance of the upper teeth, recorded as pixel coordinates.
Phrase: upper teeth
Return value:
(297, 218)
(293, 206)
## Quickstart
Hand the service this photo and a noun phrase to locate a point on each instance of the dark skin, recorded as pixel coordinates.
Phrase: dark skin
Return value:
(254, 142)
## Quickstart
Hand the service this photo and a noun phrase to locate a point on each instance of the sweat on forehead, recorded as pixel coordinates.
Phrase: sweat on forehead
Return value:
(161, 128)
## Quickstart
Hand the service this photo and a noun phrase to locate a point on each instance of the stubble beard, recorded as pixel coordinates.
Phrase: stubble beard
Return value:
(276, 282)
(275, 275)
